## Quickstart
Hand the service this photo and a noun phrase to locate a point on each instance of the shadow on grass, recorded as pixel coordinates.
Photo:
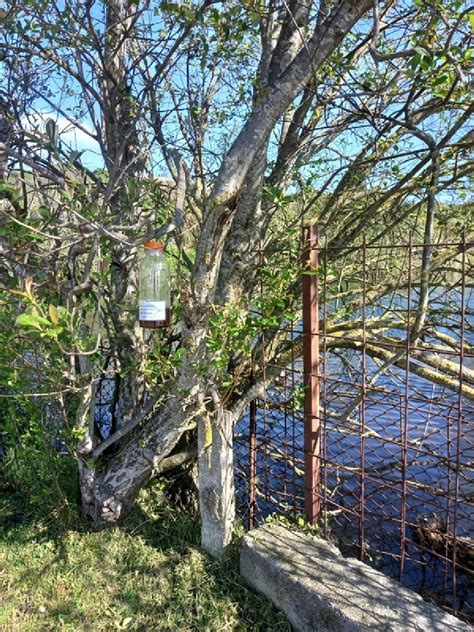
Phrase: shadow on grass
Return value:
(202, 588)
(148, 571)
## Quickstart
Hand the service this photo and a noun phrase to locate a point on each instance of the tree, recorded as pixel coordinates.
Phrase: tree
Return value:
(257, 114)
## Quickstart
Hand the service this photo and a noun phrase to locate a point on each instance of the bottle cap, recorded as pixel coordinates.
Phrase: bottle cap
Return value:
(153, 243)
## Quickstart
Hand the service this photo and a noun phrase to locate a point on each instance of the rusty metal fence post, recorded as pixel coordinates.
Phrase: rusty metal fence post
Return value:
(312, 421)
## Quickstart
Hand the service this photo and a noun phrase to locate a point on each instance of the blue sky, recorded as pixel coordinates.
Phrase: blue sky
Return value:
(335, 155)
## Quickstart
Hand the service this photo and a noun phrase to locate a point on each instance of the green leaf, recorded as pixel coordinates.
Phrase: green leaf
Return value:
(444, 78)
(415, 62)
(255, 18)
(66, 195)
(421, 51)
(52, 132)
(31, 320)
(53, 314)
(44, 212)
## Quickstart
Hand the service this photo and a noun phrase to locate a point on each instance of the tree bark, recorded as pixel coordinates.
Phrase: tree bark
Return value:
(216, 481)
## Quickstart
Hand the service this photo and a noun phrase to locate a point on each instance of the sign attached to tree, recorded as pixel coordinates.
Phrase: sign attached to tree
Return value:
(154, 294)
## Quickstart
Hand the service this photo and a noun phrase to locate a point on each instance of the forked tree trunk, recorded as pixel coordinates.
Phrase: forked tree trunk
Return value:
(109, 489)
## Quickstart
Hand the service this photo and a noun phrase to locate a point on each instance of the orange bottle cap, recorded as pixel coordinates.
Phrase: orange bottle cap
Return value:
(153, 243)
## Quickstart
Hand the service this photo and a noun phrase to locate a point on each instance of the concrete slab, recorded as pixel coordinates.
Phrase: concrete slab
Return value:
(321, 591)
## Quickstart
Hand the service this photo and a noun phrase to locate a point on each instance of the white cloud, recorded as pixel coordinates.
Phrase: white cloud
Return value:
(73, 137)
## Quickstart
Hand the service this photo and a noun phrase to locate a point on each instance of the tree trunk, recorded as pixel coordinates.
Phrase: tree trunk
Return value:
(109, 489)
(216, 481)
(110, 485)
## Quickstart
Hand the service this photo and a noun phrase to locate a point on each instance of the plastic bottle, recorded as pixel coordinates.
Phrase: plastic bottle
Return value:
(154, 288)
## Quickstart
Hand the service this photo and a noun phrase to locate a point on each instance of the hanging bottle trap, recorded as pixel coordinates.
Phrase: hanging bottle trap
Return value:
(154, 288)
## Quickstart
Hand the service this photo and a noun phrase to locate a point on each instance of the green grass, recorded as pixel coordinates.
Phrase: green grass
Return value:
(147, 574)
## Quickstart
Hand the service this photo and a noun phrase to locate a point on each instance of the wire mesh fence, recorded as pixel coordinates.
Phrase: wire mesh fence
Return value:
(106, 404)
(368, 427)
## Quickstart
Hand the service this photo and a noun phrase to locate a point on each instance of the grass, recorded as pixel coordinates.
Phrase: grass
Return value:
(147, 574)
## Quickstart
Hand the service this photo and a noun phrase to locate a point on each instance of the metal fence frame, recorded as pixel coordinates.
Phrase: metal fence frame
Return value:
(309, 461)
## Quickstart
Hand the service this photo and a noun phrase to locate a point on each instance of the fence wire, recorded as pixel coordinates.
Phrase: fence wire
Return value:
(395, 419)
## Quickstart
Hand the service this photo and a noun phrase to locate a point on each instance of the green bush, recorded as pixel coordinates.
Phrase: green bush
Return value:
(34, 456)
(35, 441)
